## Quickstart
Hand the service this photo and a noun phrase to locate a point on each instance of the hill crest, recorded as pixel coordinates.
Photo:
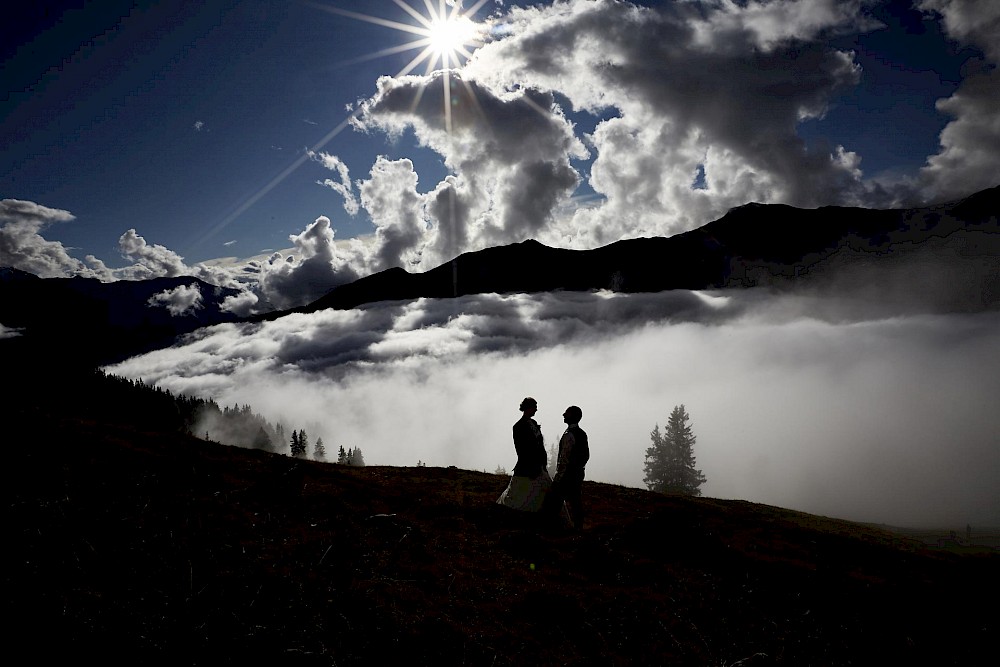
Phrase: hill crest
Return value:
(162, 548)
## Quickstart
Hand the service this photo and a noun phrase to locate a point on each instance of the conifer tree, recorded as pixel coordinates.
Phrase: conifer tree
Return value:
(300, 443)
(342, 456)
(296, 443)
(670, 460)
(356, 458)
(319, 450)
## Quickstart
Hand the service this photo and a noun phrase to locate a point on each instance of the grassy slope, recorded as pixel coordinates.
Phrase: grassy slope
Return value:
(158, 548)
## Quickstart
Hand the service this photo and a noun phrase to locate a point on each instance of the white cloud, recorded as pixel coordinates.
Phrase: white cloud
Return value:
(769, 24)
(834, 412)
(149, 261)
(241, 305)
(317, 268)
(157, 261)
(709, 91)
(396, 208)
(976, 21)
(182, 300)
(23, 247)
(341, 186)
(719, 87)
(969, 159)
(510, 154)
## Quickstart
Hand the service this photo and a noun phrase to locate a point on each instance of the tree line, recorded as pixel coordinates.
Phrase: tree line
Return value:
(134, 402)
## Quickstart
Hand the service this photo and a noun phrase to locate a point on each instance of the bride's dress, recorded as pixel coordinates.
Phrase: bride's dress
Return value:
(526, 494)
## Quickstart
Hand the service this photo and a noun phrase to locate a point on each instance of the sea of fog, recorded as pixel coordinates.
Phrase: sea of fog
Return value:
(842, 407)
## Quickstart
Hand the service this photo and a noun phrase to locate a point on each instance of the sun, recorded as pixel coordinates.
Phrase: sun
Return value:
(445, 33)
(449, 37)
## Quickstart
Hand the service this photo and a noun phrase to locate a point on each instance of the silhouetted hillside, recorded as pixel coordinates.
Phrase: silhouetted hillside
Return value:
(131, 544)
(85, 322)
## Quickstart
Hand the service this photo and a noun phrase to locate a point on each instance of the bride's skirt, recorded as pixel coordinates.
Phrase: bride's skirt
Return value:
(526, 494)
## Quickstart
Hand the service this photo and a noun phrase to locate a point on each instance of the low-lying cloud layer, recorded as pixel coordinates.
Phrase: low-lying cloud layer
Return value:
(798, 402)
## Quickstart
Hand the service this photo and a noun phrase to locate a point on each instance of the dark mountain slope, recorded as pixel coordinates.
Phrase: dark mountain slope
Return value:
(130, 544)
(748, 246)
(86, 322)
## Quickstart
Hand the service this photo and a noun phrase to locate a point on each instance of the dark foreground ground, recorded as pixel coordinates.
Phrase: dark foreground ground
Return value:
(145, 548)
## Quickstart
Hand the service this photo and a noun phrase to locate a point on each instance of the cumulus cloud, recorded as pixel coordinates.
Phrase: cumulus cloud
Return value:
(316, 268)
(241, 305)
(396, 208)
(712, 88)
(149, 260)
(977, 21)
(818, 405)
(970, 144)
(313, 268)
(510, 155)
(698, 105)
(181, 300)
(23, 247)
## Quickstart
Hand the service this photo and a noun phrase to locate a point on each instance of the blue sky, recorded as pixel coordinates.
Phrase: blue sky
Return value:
(114, 138)
(190, 125)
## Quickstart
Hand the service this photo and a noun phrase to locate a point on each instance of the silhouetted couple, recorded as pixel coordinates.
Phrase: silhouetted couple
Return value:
(531, 489)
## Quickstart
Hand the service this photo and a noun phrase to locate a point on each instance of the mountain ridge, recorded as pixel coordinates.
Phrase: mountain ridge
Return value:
(752, 244)
(108, 321)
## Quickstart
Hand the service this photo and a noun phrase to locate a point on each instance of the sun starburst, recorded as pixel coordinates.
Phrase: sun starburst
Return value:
(446, 33)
